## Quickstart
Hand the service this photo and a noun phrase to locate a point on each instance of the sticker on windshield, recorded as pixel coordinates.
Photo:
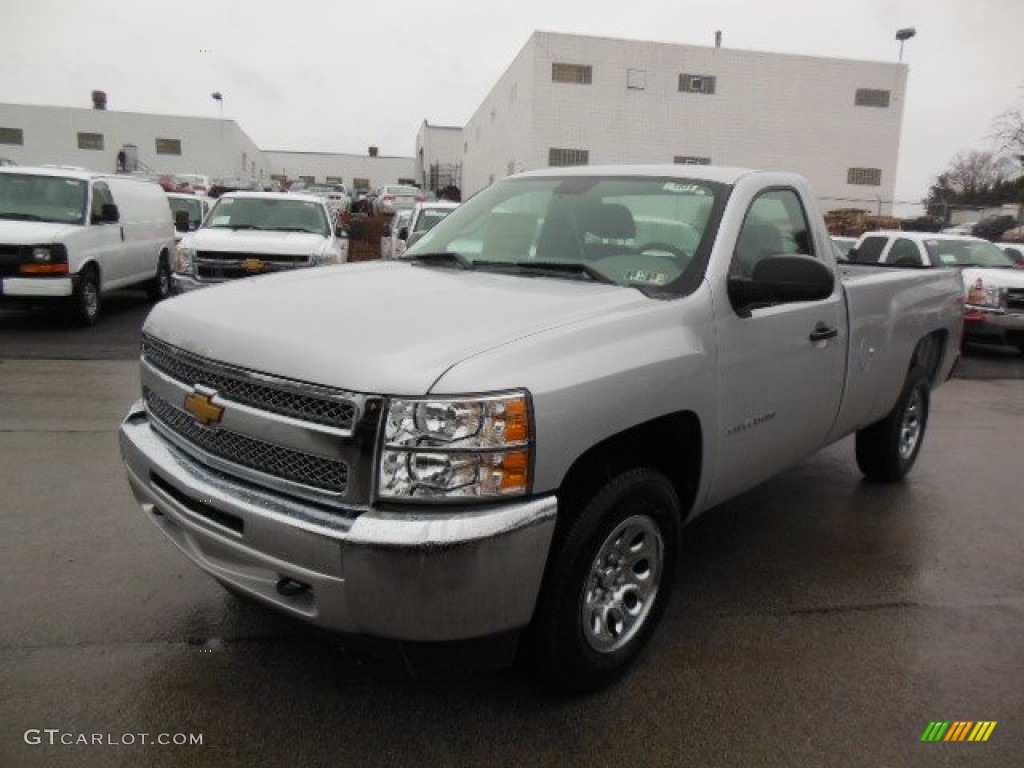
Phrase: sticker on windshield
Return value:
(646, 277)
(947, 258)
(684, 189)
(220, 221)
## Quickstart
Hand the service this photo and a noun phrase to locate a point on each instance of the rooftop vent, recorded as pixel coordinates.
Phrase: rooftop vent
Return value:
(373, 151)
(99, 99)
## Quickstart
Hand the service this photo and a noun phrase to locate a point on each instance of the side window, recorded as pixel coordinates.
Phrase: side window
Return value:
(100, 196)
(904, 253)
(870, 250)
(775, 224)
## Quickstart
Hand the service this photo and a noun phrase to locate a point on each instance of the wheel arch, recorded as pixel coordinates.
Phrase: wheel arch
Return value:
(671, 444)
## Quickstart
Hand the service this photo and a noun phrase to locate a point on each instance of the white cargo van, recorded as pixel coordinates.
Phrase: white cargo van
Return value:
(72, 235)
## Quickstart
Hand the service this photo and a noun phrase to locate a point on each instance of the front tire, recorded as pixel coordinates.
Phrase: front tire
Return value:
(887, 450)
(607, 583)
(160, 287)
(85, 302)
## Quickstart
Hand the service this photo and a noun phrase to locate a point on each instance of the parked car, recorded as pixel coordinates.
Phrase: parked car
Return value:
(993, 289)
(843, 245)
(555, 379)
(223, 186)
(188, 211)
(391, 244)
(72, 236)
(993, 227)
(336, 195)
(967, 228)
(396, 197)
(256, 233)
(1015, 251)
(195, 183)
(424, 217)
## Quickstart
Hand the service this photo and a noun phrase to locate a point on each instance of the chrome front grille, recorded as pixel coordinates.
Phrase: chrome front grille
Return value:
(334, 410)
(286, 464)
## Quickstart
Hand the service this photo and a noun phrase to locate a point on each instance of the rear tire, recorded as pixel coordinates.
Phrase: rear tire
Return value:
(85, 302)
(887, 450)
(607, 583)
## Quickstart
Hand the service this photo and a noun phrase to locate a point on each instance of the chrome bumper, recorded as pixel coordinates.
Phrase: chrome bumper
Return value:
(422, 574)
(185, 283)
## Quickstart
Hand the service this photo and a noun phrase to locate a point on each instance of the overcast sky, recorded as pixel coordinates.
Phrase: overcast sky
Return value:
(339, 76)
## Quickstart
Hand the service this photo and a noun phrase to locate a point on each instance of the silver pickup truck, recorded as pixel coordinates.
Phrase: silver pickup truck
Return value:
(495, 442)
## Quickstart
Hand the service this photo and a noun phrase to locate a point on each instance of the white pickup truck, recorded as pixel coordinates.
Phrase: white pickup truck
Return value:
(494, 443)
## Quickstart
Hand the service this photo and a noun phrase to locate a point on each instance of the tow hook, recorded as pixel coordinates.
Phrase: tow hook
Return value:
(290, 587)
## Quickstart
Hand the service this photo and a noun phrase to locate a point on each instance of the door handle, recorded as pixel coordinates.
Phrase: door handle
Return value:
(823, 332)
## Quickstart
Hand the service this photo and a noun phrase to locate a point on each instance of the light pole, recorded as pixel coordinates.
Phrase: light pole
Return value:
(903, 35)
(219, 98)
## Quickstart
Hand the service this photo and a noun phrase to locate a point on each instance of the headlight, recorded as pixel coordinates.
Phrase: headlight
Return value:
(182, 261)
(466, 447)
(41, 254)
(983, 295)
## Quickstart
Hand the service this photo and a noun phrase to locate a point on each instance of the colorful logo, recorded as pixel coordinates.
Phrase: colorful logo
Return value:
(959, 730)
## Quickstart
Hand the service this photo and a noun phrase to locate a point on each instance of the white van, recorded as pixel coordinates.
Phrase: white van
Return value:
(72, 235)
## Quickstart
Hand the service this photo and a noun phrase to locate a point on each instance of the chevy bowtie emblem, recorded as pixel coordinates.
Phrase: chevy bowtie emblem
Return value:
(253, 265)
(202, 408)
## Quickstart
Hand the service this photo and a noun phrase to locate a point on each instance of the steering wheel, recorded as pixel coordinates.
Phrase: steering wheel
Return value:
(663, 249)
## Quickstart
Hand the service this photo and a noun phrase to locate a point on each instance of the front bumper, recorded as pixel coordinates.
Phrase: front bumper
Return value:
(186, 283)
(983, 324)
(427, 574)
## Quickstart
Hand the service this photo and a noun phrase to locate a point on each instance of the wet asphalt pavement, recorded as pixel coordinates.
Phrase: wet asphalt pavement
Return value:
(816, 621)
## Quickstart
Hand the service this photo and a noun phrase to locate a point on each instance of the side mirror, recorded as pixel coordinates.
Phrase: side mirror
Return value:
(181, 221)
(403, 233)
(781, 279)
(109, 213)
(851, 255)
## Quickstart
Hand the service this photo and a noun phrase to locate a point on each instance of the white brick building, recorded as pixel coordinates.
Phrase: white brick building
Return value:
(568, 99)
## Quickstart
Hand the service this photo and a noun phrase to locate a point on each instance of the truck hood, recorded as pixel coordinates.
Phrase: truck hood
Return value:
(33, 232)
(376, 327)
(254, 241)
(1003, 278)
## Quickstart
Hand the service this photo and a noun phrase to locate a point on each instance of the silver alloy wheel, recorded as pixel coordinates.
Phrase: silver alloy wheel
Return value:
(910, 428)
(622, 584)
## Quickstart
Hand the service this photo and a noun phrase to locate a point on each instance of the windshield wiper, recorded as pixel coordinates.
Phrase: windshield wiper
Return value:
(236, 227)
(569, 268)
(443, 258)
(21, 216)
(293, 229)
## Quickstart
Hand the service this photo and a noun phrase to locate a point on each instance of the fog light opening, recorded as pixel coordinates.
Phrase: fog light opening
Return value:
(290, 587)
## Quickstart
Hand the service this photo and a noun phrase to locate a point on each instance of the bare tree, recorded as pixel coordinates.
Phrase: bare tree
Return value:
(1008, 131)
(975, 173)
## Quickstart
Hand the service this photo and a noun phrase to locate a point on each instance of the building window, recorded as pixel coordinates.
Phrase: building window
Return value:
(636, 79)
(868, 177)
(697, 84)
(90, 141)
(408, 182)
(333, 179)
(168, 146)
(691, 160)
(307, 179)
(579, 74)
(361, 183)
(563, 157)
(866, 97)
(12, 136)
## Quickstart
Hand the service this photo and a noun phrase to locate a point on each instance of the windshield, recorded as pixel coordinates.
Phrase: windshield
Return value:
(268, 213)
(56, 199)
(642, 232)
(967, 253)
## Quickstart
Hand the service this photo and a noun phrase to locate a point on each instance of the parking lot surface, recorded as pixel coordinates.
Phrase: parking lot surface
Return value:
(816, 621)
